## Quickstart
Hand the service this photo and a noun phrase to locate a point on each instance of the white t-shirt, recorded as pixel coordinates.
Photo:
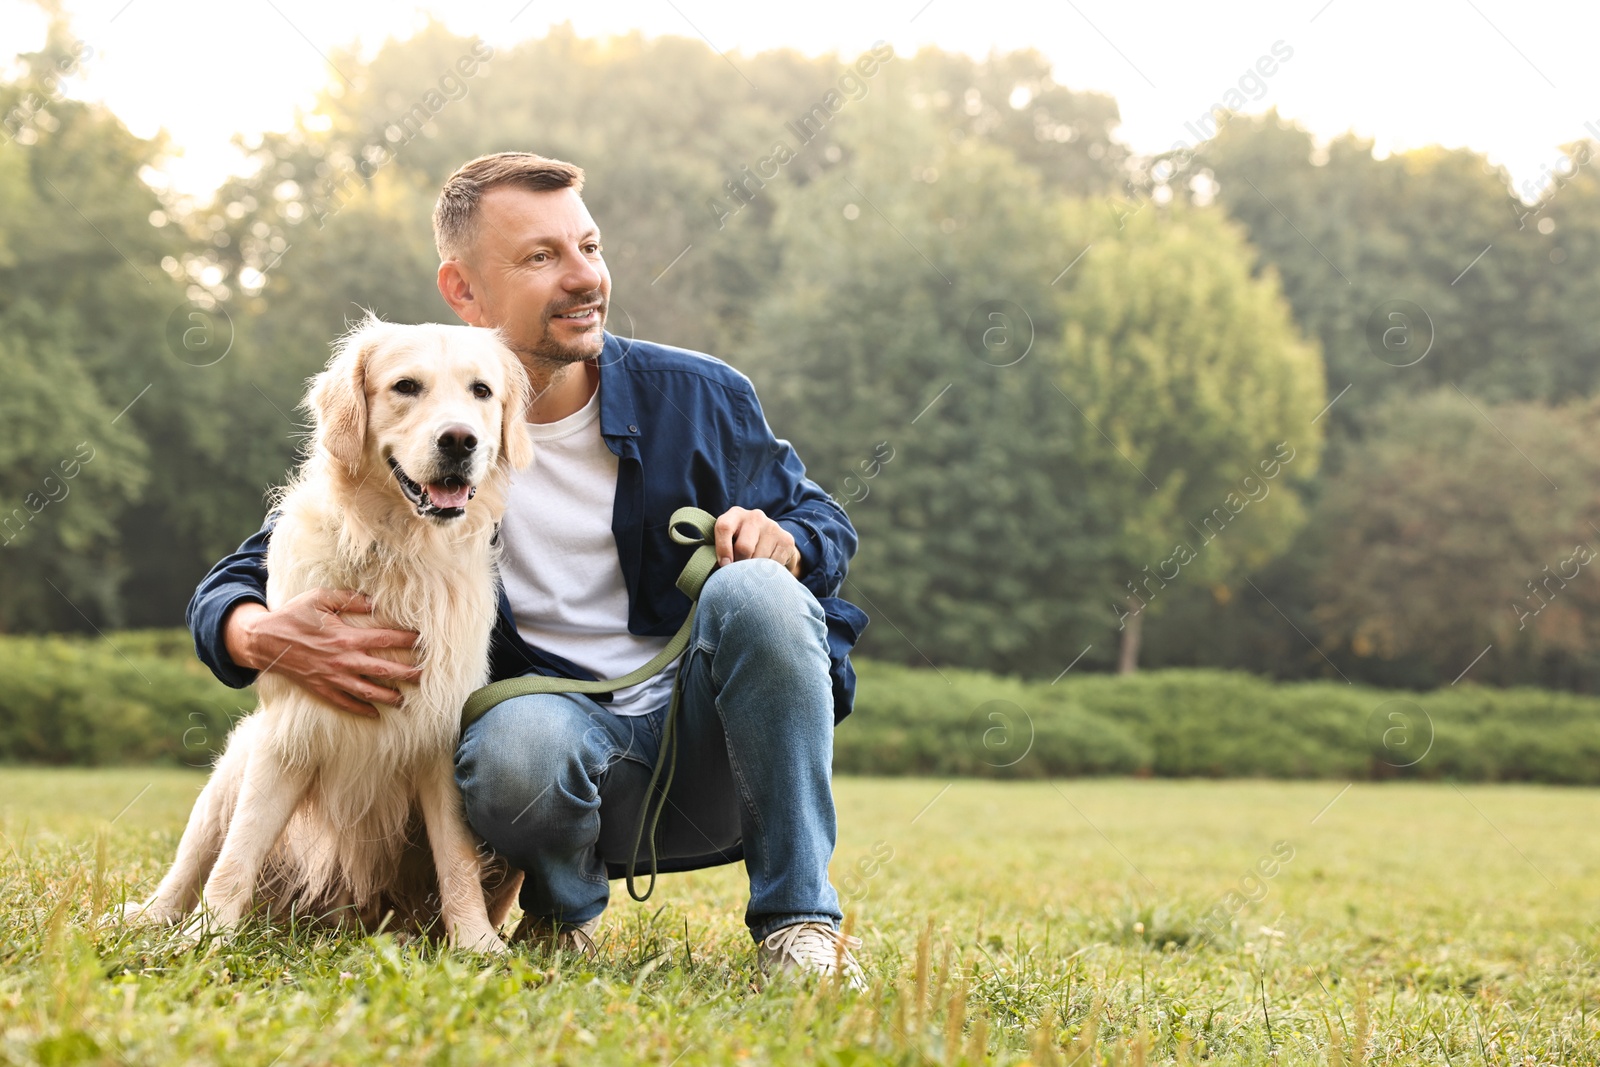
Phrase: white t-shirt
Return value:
(559, 559)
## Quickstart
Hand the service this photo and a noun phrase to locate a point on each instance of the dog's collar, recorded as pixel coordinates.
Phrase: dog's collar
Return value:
(418, 496)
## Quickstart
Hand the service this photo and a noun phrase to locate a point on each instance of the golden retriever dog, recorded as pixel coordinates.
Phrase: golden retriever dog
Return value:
(318, 813)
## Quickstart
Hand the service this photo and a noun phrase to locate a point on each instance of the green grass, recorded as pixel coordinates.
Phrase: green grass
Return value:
(1419, 923)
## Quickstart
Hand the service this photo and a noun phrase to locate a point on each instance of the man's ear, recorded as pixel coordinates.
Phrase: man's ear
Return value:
(457, 289)
(338, 397)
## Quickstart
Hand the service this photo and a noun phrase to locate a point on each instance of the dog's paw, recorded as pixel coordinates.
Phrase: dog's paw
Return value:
(193, 931)
(152, 912)
(204, 926)
(485, 941)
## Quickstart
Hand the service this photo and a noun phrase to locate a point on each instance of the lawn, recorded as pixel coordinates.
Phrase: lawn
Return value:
(1152, 921)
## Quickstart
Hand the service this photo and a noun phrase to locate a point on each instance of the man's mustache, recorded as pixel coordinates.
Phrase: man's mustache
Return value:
(592, 297)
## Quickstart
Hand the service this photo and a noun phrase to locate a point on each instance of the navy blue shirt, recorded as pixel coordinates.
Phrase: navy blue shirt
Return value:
(687, 430)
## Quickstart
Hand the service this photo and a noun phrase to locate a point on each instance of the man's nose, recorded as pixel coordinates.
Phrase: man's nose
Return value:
(583, 276)
(457, 442)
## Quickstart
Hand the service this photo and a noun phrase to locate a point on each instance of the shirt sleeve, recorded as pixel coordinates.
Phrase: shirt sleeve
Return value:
(238, 577)
(774, 480)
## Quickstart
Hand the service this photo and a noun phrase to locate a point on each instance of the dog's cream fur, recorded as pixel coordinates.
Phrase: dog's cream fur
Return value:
(327, 814)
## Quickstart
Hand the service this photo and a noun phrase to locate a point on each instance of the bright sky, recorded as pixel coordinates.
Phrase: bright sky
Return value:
(1476, 73)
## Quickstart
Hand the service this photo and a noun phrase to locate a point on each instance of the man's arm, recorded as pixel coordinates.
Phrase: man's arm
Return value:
(238, 578)
(773, 480)
(305, 639)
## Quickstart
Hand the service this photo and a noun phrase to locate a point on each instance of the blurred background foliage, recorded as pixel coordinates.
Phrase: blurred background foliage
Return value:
(142, 697)
(1092, 479)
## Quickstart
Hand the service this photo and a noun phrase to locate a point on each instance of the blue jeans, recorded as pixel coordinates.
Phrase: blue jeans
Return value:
(555, 782)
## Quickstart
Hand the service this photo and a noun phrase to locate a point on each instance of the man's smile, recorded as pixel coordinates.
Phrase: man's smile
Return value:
(585, 316)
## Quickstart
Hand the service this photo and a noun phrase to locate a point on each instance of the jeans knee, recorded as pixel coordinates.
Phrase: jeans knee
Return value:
(762, 594)
(526, 764)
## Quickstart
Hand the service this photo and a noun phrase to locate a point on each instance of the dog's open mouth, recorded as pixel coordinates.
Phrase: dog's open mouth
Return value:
(436, 500)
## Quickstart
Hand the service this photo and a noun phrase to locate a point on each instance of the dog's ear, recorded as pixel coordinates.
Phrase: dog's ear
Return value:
(516, 448)
(338, 398)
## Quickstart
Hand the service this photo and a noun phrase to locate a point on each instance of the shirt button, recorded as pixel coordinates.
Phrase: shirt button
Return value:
(632, 428)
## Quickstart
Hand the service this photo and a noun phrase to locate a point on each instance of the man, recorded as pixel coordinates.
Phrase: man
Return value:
(625, 432)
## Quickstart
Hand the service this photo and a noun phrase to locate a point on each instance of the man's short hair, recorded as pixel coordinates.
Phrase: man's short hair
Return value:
(455, 216)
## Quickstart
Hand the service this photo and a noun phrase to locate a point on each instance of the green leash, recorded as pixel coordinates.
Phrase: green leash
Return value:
(689, 526)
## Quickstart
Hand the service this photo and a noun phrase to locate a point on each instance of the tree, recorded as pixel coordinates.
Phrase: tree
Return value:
(65, 473)
(1502, 288)
(1352, 235)
(659, 165)
(1011, 100)
(1198, 395)
(993, 418)
(69, 468)
(1561, 303)
(1457, 527)
(973, 542)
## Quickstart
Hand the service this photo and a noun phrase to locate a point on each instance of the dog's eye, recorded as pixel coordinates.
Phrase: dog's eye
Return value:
(408, 387)
(481, 391)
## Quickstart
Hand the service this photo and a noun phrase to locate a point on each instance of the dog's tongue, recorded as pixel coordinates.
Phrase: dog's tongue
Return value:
(451, 494)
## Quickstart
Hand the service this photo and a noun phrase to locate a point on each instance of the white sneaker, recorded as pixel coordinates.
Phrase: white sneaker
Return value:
(811, 948)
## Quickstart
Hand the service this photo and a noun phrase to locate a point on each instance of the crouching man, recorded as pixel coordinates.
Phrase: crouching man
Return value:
(625, 432)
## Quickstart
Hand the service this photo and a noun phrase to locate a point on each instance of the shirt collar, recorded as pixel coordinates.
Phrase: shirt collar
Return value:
(618, 415)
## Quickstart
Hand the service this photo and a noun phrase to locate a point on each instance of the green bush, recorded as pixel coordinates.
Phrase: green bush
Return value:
(1523, 735)
(142, 697)
(138, 697)
(1203, 723)
(968, 723)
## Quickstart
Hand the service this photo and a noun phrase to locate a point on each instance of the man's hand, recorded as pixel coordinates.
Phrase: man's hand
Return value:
(307, 642)
(743, 534)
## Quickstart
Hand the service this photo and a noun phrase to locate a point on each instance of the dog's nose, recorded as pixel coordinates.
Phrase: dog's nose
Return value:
(457, 442)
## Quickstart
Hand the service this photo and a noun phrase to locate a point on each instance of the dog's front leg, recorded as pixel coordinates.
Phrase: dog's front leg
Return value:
(267, 798)
(179, 891)
(455, 858)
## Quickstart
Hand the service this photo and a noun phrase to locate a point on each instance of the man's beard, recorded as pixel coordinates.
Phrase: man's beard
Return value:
(549, 352)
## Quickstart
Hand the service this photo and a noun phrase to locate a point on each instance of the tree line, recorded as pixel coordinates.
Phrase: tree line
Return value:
(1266, 403)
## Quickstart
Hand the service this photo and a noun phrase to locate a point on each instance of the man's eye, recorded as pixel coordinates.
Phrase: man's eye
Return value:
(408, 387)
(481, 391)
(593, 250)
